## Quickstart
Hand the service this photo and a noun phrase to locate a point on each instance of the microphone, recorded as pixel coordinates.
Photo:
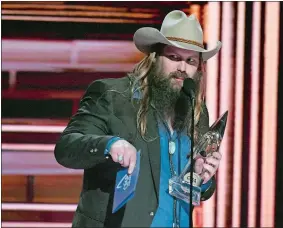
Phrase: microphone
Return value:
(183, 103)
(189, 88)
(182, 106)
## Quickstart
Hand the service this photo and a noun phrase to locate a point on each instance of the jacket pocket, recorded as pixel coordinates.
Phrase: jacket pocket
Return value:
(80, 221)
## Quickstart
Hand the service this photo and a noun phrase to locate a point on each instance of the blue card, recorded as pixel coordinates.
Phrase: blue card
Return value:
(125, 185)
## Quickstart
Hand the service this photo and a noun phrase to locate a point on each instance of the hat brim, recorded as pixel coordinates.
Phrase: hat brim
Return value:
(145, 38)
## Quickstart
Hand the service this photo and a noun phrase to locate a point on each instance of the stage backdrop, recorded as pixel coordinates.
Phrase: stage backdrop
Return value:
(56, 59)
(244, 80)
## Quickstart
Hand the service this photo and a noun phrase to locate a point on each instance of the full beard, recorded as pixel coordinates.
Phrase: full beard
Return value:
(168, 100)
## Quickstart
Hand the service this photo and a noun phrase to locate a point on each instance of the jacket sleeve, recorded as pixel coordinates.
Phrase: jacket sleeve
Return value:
(209, 191)
(203, 127)
(82, 143)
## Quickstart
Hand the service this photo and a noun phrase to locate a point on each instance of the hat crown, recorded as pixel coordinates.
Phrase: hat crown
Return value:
(177, 24)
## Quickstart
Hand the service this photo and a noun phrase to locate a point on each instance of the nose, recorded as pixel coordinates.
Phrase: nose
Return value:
(182, 66)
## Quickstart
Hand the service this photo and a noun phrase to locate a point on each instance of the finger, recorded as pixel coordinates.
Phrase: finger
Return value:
(199, 165)
(210, 169)
(128, 149)
(133, 159)
(127, 154)
(114, 155)
(211, 160)
(217, 155)
(206, 177)
(121, 154)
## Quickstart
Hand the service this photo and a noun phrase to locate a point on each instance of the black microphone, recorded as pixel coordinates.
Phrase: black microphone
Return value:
(189, 88)
(183, 103)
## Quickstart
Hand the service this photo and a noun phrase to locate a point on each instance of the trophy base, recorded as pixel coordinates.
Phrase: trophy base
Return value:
(181, 190)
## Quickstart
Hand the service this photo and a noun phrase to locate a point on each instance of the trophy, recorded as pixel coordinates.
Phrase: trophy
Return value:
(179, 186)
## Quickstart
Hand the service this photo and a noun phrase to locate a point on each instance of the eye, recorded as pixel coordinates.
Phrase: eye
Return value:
(174, 57)
(191, 61)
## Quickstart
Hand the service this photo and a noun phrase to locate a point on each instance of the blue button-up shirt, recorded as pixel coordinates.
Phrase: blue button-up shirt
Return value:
(164, 214)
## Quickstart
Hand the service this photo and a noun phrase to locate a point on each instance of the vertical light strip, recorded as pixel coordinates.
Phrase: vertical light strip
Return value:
(195, 9)
(213, 34)
(225, 104)
(252, 194)
(205, 23)
(271, 48)
(213, 28)
(237, 161)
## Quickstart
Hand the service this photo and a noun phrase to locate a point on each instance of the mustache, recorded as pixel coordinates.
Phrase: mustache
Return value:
(178, 74)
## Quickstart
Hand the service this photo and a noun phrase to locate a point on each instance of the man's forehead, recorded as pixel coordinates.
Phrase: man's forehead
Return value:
(181, 51)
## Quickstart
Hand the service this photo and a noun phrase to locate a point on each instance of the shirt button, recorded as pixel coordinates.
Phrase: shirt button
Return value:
(151, 213)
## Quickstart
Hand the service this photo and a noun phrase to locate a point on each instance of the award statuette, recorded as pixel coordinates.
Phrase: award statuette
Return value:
(179, 186)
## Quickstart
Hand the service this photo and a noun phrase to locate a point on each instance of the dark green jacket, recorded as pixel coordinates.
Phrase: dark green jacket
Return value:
(106, 110)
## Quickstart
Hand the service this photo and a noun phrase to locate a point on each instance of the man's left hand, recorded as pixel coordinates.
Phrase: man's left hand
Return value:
(208, 167)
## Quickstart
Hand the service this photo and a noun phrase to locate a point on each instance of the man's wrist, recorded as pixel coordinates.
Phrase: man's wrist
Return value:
(110, 142)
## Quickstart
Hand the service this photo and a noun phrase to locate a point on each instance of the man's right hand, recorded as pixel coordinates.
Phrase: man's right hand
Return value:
(124, 153)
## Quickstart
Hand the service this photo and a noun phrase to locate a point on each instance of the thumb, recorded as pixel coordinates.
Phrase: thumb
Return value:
(199, 165)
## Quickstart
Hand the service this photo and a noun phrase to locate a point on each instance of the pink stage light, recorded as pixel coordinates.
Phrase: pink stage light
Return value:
(213, 35)
(270, 88)
(226, 96)
(239, 81)
(253, 162)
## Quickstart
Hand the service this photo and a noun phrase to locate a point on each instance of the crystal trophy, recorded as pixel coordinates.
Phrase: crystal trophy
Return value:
(179, 186)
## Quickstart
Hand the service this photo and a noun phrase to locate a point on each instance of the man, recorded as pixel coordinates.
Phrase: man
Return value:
(117, 117)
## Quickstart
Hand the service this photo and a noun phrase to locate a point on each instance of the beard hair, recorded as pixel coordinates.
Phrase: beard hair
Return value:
(163, 95)
(167, 99)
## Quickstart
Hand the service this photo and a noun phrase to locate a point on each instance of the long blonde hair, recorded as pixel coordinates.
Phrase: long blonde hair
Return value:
(140, 82)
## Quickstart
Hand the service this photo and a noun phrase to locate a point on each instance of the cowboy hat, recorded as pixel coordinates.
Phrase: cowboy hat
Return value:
(176, 30)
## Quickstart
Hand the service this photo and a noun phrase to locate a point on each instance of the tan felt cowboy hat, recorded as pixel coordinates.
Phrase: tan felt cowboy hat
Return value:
(177, 30)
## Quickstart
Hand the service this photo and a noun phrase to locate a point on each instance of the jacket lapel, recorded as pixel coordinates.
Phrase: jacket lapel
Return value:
(153, 148)
(153, 145)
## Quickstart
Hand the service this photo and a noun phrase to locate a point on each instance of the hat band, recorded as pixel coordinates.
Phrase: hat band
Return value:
(185, 41)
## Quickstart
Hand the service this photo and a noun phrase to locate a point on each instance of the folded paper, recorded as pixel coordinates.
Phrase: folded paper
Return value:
(125, 185)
